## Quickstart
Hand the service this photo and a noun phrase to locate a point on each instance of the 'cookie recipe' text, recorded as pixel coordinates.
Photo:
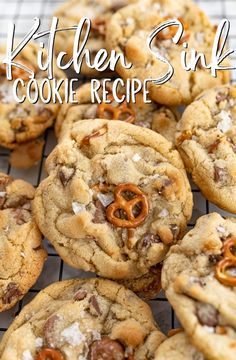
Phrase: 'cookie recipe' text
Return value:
(35, 88)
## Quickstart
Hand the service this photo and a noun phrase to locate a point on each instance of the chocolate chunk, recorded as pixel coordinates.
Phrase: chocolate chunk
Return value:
(16, 202)
(80, 295)
(49, 329)
(93, 301)
(174, 229)
(65, 174)
(100, 213)
(11, 293)
(149, 239)
(214, 259)
(21, 216)
(207, 315)
(118, 4)
(105, 349)
(218, 173)
(221, 97)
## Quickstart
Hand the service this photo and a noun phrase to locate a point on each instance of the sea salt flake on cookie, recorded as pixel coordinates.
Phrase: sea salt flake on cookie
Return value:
(27, 355)
(163, 213)
(78, 208)
(38, 342)
(73, 335)
(226, 122)
(105, 199)
(136, 157)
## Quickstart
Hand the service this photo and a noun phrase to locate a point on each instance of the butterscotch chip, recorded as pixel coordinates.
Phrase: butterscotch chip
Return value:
(21, 253)
(61, 324)
(129, 30)
(201, 290)
(104, 206)
(209, 153)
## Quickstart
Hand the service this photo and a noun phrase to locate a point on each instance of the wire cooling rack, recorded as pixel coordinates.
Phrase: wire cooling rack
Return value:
(23, 12)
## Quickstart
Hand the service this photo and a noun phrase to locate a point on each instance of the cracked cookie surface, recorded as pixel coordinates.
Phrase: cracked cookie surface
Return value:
(128, 32)
(21, 253)
(23, 122)
(199, 279)
(178, 347)
(99, 12)
(116, 198)
(159, 118)
(206, 139)
(83, 319)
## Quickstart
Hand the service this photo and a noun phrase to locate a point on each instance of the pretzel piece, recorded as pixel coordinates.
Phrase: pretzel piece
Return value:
(228, 262)
(49, 354)
(117, 111)
(96, 133)
(127, 206)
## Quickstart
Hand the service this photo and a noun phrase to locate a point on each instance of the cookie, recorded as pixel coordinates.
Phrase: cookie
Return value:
(153, 116)
(199, 278)
(128, 32)
(206, 139)
(178, 347)
(147, 286)
(21, 253)
(99, 12)
(23, 122)
(116, 198)
(83, 319)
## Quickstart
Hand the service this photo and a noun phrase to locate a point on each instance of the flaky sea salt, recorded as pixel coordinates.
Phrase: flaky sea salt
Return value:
(220, 229)
(38, 342)
(209, 329)
(136, 157)
(73, 335)
(105, 199)
(225, 124)
(77, 207)
(163, 213)
(27, 355)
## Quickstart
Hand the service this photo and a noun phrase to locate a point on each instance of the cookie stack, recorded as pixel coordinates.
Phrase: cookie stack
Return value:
(117, 202)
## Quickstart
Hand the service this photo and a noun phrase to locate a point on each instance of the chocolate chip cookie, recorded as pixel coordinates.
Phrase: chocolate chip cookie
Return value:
(21, 253)
(206, 139)
(116, 198)
(178, 347)
(83, 319)
(99, 12)
(147, 286)
(153, 116)
(199, 278)
(128, 32)
(23, 122)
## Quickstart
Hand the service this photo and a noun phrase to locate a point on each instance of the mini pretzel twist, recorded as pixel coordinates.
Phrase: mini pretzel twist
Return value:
(96, 133)
(49, 354)
(99, 26)
(226, 263)
(171, 31)
(127, 206)
(17, 72)
(117, 112)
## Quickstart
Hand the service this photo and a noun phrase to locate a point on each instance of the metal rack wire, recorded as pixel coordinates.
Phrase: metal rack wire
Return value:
(23, 12)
